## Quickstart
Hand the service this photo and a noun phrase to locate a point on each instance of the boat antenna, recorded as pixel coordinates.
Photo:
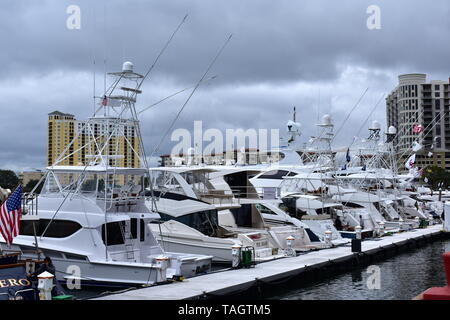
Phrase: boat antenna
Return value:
(172, 95)
(162, 51)
(191, 94)
(370, 114)
(349, 114)
(94, 84)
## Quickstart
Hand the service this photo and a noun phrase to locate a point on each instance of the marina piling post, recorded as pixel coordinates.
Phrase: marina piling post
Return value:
(431, 220)
(447, 216)
(162, 262)
(358, 232)
(328, 235)
(381, 229)
(400, 224)
(289, 242)
(417, 222)
(236, 256)
(356, 243)
(377, 228)
(45, 285)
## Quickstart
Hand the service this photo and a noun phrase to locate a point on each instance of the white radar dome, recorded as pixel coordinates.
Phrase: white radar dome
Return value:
(375, 125)
(326, 120)
(392, 130)
(127, 66)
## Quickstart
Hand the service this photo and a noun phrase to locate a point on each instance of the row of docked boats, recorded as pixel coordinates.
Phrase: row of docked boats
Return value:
(122, 226)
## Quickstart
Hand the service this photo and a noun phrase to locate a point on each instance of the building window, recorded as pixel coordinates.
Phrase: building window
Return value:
(437, 104)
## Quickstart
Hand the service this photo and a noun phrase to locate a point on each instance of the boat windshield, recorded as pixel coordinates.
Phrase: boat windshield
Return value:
(94, 185)
(167, 181)
(207, 221)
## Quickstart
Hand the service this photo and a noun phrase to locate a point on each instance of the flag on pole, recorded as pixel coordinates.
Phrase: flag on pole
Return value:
(347, 156)
(10, 216)
(106, 101)
(418, 128)
(410, 162)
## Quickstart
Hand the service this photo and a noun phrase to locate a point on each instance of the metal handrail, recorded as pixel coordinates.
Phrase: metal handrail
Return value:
(24, 290)
(4, 294)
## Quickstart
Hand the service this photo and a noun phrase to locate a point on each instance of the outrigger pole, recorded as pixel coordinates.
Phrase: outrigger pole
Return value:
(192, 93)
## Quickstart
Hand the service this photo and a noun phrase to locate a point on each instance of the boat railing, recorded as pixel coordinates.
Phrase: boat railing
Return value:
(4, 294)
(246, 192)
(21, 292)
(29, 206)
(121, 202)
(219, 197)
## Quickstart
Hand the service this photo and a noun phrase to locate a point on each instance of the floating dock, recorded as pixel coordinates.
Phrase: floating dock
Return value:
(230, 282)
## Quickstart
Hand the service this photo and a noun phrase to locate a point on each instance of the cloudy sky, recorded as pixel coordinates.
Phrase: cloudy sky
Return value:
(316, 55)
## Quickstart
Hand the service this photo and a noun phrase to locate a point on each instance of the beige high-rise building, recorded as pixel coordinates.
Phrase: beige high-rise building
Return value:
(61, 130)
(122, 150)
(416, 102)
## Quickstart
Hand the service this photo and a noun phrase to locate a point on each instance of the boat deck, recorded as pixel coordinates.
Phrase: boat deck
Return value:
(230, 281)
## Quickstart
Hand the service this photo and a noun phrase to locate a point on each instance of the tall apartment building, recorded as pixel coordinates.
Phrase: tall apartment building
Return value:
(61, 130)
(418, 102)
(122, 150)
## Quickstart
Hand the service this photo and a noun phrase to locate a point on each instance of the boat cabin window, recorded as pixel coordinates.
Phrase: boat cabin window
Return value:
(326, 210)
(114, 233)
(133, 228)
(353, 205)
(247, 216)
(207, 222)
(56, 229)
(276, 174)
(142, 230)
(263, 209)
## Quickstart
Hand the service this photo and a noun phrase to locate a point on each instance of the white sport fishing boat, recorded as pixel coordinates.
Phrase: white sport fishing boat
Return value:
(291, 181)
(253, 211)
(93, 216)
(189, 224)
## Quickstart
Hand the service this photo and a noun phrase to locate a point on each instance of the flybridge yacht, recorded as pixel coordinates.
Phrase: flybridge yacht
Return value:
(256, 212)
(93, 215)
(291, 182)
(309, 197)
(373, 172)
(192, 225)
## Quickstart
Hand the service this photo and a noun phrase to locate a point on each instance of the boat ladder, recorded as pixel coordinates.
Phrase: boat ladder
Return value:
(129, 247)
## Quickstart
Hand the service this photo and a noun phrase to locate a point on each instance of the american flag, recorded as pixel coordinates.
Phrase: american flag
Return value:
(417, 128)
(10, 216)
(104, 101)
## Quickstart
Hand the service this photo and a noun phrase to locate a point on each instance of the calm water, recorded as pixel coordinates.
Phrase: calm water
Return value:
(401, 278)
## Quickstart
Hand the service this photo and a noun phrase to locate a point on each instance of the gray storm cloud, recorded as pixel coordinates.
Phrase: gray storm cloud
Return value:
(316, 55)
